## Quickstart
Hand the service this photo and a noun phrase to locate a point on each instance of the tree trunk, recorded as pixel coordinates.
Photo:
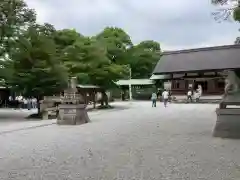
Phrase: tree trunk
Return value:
(38, 105)
(102, 99)
(105, 98)
(94, 100)
(123, 95)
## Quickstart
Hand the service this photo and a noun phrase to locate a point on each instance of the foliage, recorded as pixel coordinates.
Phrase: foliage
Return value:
(143, 58)
(120, 50)
(237, 41)
(38, 59)
(116, 41)
(36, 68)
(222, 2)
(236, 14)
(66, 37)
(14, 17)
(227, 12)
(88, 60)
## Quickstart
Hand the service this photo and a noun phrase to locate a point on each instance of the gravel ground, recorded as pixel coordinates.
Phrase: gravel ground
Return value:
(140, 143)
(15, 119)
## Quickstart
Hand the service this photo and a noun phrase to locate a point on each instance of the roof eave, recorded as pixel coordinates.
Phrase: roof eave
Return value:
(192, 71)
(201, 49)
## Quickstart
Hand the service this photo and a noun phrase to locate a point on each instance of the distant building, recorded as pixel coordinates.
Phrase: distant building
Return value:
(203, 66)
(141, 88)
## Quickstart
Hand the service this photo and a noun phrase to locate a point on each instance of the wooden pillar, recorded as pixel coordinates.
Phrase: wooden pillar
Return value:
(186, 85)
(172, 84)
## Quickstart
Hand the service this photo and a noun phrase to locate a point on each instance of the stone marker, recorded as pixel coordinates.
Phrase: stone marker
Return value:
(47, 105)
(72, 109)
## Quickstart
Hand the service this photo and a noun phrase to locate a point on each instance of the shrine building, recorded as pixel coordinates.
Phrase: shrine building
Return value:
(186, 69)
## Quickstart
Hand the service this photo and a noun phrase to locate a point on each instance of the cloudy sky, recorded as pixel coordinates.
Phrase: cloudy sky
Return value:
(175, 24)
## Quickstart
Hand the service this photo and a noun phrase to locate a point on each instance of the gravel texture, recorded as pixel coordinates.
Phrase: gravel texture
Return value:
(139, 143)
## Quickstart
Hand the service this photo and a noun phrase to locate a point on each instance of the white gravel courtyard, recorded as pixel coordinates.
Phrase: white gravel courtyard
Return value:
(138, 143)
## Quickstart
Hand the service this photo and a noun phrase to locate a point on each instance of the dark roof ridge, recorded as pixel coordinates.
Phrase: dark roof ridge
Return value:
(201, 49)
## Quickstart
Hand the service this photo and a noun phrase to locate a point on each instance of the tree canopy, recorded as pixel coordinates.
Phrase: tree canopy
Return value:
(37, 71)
(14, 17)
(88, 60)
(40, 58)
(144, 57)
(116, 41)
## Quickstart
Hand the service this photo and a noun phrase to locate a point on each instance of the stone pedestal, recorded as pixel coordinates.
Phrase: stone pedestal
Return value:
(228, 123)
(72, 114)
(228, 119)
(44, 115)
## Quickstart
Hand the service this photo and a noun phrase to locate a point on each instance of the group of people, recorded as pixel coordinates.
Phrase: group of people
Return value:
(164, 97)
(23, 102)
(194, 94)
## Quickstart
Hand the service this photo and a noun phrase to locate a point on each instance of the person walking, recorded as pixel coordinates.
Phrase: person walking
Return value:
(29, 104)
(34, 103)
(189, 95)
(20, 102)
(154, 99)
(25, 103)
(165, 96)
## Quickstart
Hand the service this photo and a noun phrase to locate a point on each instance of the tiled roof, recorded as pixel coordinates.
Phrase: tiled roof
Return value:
(202, 59)
(159, 77)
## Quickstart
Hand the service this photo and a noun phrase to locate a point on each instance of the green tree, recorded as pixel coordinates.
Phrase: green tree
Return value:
(87, 59)
(65, 41)
(66, 37)
(5, 64)
(116, 41)
(143, 58)
(14, 17)
(120, 50)
(36, 70)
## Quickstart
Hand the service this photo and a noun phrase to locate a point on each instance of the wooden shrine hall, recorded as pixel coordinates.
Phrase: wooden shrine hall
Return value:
(203, 66)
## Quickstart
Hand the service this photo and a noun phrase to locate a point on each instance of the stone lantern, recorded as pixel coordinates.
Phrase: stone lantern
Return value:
(72, 109)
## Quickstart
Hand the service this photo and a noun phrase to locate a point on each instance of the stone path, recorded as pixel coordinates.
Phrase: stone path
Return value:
(140, 143)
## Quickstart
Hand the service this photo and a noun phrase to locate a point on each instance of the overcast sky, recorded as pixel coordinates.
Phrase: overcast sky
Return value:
(175, 24)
